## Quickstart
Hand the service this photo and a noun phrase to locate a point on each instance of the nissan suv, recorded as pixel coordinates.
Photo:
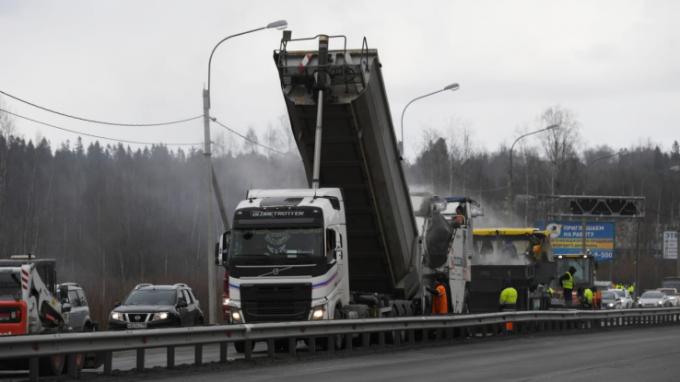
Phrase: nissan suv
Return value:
(157, 306)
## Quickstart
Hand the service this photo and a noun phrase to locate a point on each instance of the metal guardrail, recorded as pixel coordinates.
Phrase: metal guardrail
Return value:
(363, 333)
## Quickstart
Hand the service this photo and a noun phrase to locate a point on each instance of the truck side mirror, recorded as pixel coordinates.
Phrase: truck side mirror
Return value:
(222, 249)
(338, 254)
(476, 211)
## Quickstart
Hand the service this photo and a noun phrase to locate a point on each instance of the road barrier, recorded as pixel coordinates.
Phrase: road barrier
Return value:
(326, 336)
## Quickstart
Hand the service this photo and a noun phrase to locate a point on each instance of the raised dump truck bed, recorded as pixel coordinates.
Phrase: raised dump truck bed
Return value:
(361, 157)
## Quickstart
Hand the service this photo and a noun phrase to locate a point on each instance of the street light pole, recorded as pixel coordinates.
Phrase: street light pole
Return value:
(512, 147)
(452, 87)
(212, 297)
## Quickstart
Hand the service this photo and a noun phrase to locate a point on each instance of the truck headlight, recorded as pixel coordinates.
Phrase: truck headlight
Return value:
(318, 312)
(235, 317)
(226, 301)
(117, 316)
(160, 316)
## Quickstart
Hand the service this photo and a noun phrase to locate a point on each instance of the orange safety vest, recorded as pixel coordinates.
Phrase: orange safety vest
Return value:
(440, 303)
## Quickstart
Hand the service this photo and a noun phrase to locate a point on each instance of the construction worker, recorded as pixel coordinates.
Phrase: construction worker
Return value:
(631, 290)
(597, 298)
(459, 218)
(508, 298)
(567, 281)
(588, 298)
(440, 300)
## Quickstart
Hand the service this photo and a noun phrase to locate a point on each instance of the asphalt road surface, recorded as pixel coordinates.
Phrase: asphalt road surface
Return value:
(647, 354)
(650, 354)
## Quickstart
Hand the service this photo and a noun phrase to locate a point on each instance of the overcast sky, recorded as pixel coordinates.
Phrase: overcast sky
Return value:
(615, 64)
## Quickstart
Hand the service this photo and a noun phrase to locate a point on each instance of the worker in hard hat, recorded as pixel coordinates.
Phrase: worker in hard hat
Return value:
(567, 282)
(587, 301)
(508, 297)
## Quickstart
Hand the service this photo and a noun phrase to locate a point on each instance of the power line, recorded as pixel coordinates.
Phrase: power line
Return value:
(96, 136)
(244, 137)
(97, 121)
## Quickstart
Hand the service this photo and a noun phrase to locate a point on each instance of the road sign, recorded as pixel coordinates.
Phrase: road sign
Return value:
(670, 245)
(567, 238)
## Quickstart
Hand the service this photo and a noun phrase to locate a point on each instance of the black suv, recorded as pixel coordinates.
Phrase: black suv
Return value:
(157, 306)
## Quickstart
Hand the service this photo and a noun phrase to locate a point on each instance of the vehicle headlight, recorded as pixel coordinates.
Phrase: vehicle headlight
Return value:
(235, 317)
(318, 312)
(160, 316)
(611, 305)
(660, 302)
(117, 316)
(226, 301)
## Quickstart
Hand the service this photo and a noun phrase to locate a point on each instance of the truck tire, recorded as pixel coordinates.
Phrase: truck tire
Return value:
(240, 347)
(76, 360)
(52, 365)
(339, 340)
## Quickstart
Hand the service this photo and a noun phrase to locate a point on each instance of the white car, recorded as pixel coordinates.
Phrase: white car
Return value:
(617, 299)
(672, 294)
(654, 299)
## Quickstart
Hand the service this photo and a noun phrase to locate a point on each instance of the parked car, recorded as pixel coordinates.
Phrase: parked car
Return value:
(616, 299)
(79, 318)
(672, 294)
(156, 306)
(654, 299)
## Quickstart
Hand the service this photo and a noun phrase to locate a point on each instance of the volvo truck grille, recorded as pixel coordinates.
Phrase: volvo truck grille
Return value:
(276, 302)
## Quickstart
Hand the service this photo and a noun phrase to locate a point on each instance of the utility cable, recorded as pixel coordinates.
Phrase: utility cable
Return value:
(244, 137)
(96, 136)
(97, 121)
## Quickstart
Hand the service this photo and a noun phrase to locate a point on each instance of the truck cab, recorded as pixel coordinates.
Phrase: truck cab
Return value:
(285, 258)
(584, 278)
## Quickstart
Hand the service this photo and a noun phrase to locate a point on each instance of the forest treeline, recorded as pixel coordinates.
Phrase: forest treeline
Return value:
(114, 216)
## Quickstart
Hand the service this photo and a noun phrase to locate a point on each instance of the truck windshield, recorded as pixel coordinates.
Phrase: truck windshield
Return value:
(502, 250)
(581, 265)
(279, 244)
(10, 285)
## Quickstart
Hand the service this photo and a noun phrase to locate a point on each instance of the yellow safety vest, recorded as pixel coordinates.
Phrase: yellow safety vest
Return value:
(588, 294)
(508, 296)
(568, 283)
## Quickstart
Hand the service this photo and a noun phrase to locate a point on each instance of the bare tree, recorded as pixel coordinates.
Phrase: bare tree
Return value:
(6, 123)
(559, 144)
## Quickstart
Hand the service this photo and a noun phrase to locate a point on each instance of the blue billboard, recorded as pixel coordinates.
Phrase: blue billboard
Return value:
(567, 238)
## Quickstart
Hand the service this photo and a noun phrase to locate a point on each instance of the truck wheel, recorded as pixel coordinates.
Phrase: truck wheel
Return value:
(78, 360)
(322, 343)
(52, 365)
(240, 347)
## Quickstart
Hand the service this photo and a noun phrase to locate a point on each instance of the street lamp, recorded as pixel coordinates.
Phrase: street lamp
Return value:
(512, 147)
(452, 87)
(212, 311)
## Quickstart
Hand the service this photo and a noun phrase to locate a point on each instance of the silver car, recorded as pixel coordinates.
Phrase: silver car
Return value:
(616, 299)
(79, 316)
(654, 299)
(672, 294)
